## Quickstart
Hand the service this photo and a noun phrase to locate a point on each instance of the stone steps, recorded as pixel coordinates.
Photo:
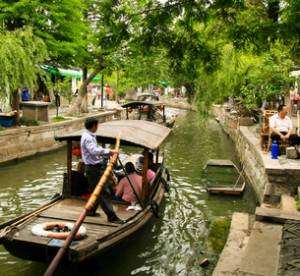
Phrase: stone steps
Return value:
(230, 258)
(261, 256)
(255, 250)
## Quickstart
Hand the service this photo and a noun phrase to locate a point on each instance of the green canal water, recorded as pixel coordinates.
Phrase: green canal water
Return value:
(192, 226)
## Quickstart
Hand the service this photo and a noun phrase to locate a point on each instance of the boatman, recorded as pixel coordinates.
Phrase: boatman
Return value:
(93, 157)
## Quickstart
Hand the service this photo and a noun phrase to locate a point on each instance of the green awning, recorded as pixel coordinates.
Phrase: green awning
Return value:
(65, 72)
(163, 83)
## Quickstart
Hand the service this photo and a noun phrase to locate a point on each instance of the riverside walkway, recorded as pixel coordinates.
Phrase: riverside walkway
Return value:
(266, 243)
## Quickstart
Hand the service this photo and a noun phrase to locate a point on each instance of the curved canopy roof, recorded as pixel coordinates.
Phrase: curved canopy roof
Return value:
(136, 104)
(133, 133)
(148, 97)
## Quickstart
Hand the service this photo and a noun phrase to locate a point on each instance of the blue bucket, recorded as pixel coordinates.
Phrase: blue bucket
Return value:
(6, 121)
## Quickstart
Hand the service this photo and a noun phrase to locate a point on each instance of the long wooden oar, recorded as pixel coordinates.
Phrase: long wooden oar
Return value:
(83, 214)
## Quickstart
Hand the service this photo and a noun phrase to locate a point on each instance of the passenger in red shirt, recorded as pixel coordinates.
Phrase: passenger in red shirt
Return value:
(139, 168)
(124, 189)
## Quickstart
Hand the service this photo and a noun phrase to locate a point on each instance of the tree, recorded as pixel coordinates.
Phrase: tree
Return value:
(20, 51)
(59, 23)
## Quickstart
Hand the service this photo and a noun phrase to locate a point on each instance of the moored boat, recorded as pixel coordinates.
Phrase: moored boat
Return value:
(153, 111)
(39, 235)
(223, 177)
(148, 97)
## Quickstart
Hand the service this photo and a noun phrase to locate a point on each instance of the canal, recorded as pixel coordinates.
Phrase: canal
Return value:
(193, 225)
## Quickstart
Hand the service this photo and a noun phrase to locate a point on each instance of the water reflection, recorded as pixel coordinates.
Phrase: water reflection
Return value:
(193, 225)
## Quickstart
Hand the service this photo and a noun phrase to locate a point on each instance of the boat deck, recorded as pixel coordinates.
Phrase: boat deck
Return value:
(98, 229)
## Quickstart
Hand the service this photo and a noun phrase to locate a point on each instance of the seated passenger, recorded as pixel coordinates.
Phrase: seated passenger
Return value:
(80, 186)
(139, 169)
(124, 190)
(153, 166)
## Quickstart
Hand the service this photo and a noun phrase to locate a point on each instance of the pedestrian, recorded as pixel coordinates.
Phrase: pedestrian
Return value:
(183, 90)
(107, 92)
(293, 99)
(93, 156)
(94, 94)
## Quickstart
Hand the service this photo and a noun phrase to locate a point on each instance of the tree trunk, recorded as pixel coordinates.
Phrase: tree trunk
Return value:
(15, 104)
(81, 99)
(273, 10)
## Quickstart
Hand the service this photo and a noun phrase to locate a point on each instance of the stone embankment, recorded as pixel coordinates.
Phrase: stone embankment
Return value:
(20, 142)
(266, 243)
(270, 178)
(180, 103)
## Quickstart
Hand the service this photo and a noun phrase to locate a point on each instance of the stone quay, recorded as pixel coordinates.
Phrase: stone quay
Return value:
(266, 243)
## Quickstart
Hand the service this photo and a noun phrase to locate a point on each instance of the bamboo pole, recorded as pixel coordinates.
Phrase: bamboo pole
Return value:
(55, 262)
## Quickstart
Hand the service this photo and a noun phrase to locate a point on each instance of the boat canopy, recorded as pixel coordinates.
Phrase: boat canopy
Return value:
(138, 133)
(148, 96)
(136, 104)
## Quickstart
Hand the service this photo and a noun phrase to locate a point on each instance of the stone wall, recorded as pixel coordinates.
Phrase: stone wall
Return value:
(22, 142)
(268, 177)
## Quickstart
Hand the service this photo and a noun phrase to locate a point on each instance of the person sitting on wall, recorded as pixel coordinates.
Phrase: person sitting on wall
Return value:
(281, 126)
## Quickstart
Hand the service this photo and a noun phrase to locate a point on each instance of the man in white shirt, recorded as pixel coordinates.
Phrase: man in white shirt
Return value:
(281, 126)
(94, 168)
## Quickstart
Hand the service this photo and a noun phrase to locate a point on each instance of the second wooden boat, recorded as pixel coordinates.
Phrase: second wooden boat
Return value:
(223, 177)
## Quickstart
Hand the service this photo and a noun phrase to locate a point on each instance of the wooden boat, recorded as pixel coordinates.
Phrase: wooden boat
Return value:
(148, 97)
(223, 177)
(153, 111)
(96, 235)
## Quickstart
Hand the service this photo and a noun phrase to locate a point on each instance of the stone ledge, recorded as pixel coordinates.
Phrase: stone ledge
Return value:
(231, 255)
(288, 203)
(276, 215)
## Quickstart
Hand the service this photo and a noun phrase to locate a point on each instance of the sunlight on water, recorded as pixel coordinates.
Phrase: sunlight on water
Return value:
(192, 225)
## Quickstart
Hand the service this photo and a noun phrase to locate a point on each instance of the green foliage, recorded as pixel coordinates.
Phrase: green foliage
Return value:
(217, 237)
(57, 119)
(216, 49)
(59, 24)
(20, 51)
(29, 122)
(248, 77)
(266, 78)
(62, 88)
